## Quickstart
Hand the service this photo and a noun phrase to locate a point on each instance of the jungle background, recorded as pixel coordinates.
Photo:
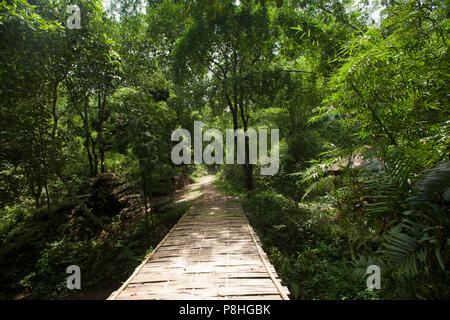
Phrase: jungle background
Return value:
(358, 90)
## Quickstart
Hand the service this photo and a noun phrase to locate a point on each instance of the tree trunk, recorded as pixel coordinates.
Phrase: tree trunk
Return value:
(145, 189)
(249, 176)
(48, 196)
(101, 147)
(248, 167)
(37, 192)
(88, 138)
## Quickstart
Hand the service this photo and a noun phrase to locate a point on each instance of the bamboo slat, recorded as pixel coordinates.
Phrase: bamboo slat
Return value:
(211, 253)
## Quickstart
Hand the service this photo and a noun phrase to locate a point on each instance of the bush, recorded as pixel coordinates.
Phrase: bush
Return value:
(310, 252)
(37, 247)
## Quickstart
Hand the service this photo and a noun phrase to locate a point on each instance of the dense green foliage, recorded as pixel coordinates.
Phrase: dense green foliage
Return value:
(362, 107)
(38, 246)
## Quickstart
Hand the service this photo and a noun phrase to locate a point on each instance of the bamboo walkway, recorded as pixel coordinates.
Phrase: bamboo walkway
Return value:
(211, 253)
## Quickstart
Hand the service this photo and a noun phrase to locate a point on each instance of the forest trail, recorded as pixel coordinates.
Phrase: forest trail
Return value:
(211, 253)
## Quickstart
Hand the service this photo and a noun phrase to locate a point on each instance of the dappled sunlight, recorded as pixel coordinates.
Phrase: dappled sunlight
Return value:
(211, 254)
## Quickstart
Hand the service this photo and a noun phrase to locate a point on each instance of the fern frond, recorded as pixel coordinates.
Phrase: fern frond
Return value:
(434, 182)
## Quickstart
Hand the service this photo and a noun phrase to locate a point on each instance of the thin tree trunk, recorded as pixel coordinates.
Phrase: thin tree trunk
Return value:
(145, 189)
(87, 212)
(87, 137)
(94, 155)
(101, 147)
(48, 196)
(147, 228)
(37, 192)
(248, 167)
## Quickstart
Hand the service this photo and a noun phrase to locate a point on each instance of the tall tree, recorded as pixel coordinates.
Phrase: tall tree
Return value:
(229, 50)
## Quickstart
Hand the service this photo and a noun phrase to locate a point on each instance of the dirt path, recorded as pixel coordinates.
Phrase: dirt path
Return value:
(211, 253)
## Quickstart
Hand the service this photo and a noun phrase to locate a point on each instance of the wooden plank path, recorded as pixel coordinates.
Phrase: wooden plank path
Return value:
(211, 253)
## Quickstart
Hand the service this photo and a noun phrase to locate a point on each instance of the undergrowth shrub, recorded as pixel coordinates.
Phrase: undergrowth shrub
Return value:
(308, 249)
(38, 246)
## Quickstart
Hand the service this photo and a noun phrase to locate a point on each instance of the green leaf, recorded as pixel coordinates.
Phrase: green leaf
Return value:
(437, 252)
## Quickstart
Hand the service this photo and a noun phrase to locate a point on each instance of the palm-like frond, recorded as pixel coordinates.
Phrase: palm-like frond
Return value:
(419, 241)
(323, 185)
(435, 182)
